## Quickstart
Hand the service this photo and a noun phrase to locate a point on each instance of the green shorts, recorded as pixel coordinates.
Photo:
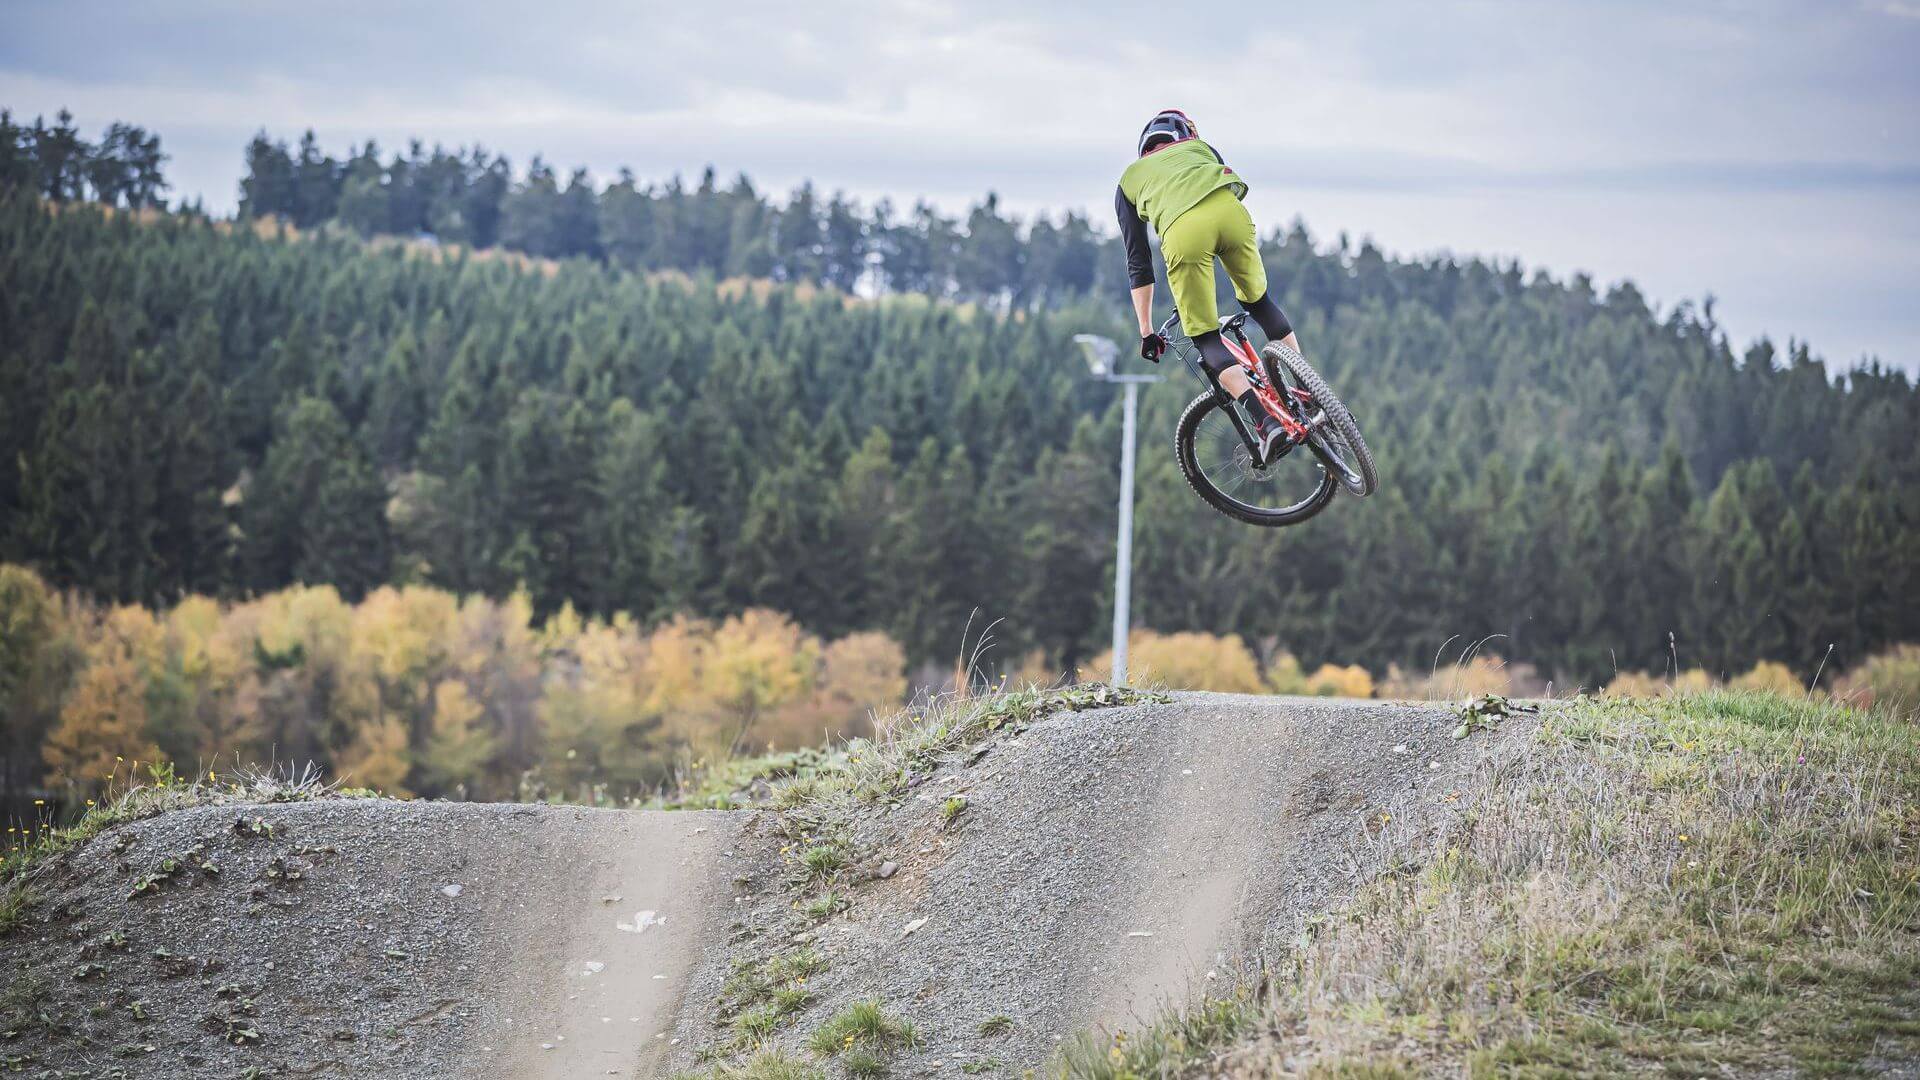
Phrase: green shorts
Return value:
(1218, 226)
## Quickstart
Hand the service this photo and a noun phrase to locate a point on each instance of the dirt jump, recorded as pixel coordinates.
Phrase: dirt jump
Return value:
(1079, 872)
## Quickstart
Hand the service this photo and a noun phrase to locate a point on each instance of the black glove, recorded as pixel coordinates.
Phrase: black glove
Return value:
(1151, 346)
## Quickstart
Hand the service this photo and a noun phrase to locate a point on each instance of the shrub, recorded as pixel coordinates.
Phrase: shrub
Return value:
(1634, 684)
(1284, 674)
(1483, 674)
(1332, 680)
(1770, 677)
(1186, 661)
(1890, 679)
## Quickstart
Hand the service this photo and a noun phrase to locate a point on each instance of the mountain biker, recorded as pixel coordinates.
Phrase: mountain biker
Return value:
(1191, 197)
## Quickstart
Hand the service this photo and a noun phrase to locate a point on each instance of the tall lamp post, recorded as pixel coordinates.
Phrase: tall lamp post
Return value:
(1100, 353)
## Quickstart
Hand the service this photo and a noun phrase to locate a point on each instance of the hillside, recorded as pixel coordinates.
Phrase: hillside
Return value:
(967, 895)
(191, 408)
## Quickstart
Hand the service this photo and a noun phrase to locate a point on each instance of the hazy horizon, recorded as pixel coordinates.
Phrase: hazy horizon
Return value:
(1767, 154)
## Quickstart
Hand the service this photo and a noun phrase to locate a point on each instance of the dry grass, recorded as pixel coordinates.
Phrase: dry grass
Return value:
(1697, 883)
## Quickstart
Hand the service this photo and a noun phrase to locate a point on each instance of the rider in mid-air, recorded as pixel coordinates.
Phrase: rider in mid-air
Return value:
(1192, 198)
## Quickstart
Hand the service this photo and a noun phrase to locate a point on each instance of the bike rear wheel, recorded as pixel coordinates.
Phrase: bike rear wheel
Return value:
(1336, 439)
(1220, 469)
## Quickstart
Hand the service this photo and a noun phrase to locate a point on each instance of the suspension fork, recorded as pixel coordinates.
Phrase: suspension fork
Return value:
(1221, 396)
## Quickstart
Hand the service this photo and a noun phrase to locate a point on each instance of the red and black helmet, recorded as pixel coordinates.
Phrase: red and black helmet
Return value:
(1167, 126)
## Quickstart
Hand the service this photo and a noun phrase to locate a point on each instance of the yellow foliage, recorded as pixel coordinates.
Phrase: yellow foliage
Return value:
(1485, 673)
(103, 723)
(459, 745)
(1890, 679)
(377, 757)
(37, 652)
(1332, 680)
(1033, 670)
(866, 671)
(675, 659)
(403, 633)
(1640, 684)
(1770, 677)
(757, 661)
(1633, 684)
(1284, 674)
(1185, 661)
(417, 688)
(859, 675)
(597, 722)
(1692, 681)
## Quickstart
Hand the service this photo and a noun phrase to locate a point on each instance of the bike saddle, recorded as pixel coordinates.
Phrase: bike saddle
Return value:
(1233, 323)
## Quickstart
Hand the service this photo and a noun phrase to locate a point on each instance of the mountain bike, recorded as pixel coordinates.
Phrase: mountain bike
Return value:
(1220, 456)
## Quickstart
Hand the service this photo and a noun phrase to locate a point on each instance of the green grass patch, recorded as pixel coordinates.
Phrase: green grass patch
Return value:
(826, 905)
(862, 1026)
(16, 900)
(1178, 1042)
(998, 1024)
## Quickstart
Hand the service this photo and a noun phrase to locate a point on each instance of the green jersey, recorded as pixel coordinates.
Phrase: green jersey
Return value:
(1172, 180)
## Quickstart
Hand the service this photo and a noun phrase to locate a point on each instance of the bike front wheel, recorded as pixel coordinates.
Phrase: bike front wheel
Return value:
(1220, 468)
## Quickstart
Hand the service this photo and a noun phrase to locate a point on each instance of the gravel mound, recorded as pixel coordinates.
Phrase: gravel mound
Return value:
(1103, 865)
(363, 937)
(1083, 871)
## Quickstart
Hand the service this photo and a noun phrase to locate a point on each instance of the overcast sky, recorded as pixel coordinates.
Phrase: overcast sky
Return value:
(1764, 151)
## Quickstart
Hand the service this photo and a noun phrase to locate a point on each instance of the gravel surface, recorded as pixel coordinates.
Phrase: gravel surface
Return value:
(1109, 862)
(1105, 862)
(363, 938)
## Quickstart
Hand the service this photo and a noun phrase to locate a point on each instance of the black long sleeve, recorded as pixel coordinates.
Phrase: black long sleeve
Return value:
(1133, 234)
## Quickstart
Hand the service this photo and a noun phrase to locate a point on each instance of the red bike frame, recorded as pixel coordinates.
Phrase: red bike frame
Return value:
(1242, 350)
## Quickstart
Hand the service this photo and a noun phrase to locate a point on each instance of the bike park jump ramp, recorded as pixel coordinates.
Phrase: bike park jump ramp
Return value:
(1100, 864)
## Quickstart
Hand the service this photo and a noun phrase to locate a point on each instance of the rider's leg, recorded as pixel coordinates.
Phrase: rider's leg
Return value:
(1189, 247)
(1221, 363)
(1272, 320)
(1240, 254)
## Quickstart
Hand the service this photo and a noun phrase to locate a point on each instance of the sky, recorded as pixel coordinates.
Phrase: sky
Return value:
(1763, 152)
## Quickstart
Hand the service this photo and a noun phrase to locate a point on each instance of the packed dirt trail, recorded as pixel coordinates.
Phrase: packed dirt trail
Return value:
(1105, 862)
(609, 941)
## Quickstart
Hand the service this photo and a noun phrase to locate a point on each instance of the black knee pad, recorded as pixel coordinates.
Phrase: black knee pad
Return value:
(1272, 320)
(1214, 354)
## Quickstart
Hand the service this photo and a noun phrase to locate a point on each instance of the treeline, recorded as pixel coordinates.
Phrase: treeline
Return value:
(226, 409)
(411, 690)
(474, 198)
(122, 169)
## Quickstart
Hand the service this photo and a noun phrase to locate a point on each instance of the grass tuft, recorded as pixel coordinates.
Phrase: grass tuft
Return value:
(862, 1025)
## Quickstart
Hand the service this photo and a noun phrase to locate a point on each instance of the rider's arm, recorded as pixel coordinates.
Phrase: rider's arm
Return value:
(1143, 307)
(1133, 236)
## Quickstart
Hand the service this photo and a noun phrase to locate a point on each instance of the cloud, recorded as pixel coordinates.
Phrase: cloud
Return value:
(1416, 111)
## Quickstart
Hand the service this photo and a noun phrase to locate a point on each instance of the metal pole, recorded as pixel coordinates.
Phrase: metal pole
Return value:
(1123, 558)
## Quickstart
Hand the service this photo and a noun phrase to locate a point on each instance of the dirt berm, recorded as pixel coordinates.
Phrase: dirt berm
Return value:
(1077, 872)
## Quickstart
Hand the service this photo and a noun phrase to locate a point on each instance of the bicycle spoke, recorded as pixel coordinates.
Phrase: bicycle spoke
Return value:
(1226, 463)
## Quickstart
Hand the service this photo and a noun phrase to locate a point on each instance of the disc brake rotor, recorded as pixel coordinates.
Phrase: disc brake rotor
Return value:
(1244, 467)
